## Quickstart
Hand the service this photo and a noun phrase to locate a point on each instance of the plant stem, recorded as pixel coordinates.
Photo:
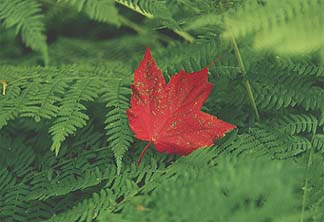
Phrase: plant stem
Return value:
(305, 187)
(183, 34)
(246, 81)
(142, 153)
(125, 21)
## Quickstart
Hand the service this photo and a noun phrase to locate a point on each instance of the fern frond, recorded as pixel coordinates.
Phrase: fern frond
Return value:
(118, 132)
(291, 66)
(98, 10)
(12, 197)
(125, 186)
(15, 101)
(174, 198)
(43, 188)
(157, 9)
(13, 203)
(277, 139)
(88, 209)
(43, 103)
(212, 54)
(286, 27)
(26, 17)
(277, 93)
(146, 8)
(70, 115)
(318, 143)
(295, 124)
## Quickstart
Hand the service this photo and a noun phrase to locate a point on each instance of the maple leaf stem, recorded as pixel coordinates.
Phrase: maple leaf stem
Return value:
(213, 62)
(143, 152)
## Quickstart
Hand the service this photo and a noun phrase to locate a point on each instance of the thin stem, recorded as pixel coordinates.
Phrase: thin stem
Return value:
(125, 21)
(4, 86)
(243, 70)
(246, 81)
(142, 153)
(306, 184)
(213, 62)
(140, 30)
(184, 35)
(134, 7)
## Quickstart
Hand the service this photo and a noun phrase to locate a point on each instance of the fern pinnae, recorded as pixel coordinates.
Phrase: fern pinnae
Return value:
(25, 16)
(118, 132)
(102, 11)
(70, 115)
(77, 106)
(318, 143)
(295, 124)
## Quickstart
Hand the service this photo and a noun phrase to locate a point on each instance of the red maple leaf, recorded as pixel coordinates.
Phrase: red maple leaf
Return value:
(169, 115)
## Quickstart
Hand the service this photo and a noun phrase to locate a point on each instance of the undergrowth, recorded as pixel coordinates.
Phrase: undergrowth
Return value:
(67, 153)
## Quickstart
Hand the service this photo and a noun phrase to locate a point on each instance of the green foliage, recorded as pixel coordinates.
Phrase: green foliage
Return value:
(118, 132)
(65, 72)
(286, 27)
(99, 10)
(231, 182)
(26, 18)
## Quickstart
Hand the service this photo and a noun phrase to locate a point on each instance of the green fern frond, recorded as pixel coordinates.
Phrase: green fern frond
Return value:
(126, 186)
(98, 10)
(43, 188)
(285, 27)
(212, 54)
(15, 101)
(174, 198)
(276, 93)
(296, 67)
(54, 95)
(15, 161)
(277, 139)
(118, 132)
(318, 143)
(43, 103)
(146, 8)
(13, 203)
(70, 115)
(88, 209)
(295, 124)
(157, 10)
(26, 17)
(267, 170)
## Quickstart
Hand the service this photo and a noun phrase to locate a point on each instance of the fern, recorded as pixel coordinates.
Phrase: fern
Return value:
(70, 116)
(26, 17)
(42, 98)
(146, 8)
(118, 132)
(270, 28)
(172, 202)
(268, 169)
(99, 10)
